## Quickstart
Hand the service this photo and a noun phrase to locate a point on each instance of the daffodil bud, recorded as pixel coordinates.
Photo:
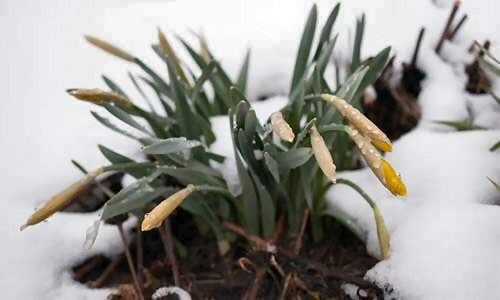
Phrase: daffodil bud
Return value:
(281, 127)
(382, 169)
(97, 96)
(362, 123)
(155, 217)
(111, 49)
(322, 154)
(62, 199)
(382, 233)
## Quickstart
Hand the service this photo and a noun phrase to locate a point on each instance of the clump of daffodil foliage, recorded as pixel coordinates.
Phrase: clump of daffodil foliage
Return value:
(319, 131)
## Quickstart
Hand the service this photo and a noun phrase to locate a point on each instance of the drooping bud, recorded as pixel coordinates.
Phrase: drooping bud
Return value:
(382, 169)
(155, 217)
(111, 49)
(366, 127)
(322, 154)
(382, 233)
(98, 96)
(281, 127)
(62, 199)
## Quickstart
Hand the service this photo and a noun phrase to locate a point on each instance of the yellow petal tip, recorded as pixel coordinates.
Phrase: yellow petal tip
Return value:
(146, 226)
(23, 227)
(386, 147)
(393, 181)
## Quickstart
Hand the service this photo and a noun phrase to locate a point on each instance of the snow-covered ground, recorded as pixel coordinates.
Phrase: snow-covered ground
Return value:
(445, 236)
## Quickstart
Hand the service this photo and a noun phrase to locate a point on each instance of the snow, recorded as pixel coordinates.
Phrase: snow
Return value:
(445, 238)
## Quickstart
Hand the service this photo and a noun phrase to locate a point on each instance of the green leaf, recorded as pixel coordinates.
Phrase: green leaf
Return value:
(251, 123)
(375, 66)
(327, 29)
(496, 185)
(134, 196)
(248, 195)
(326, 54)
(462, 126)
(293, 158)
(495, 147)
(487, 52)
(189, 176)
(113, 86)
(267, 210)
(272, 166)
(489, 66)
(304, 48)
(171, 145)
(243, 75)
(125, 117)
(241, 113)
(358, 39)
(141, 92)
(197, 206)
(117, 158)
(163, 87)
(112, 126)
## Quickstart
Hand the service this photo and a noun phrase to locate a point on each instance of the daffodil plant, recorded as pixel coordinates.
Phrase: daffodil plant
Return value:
(274, 160)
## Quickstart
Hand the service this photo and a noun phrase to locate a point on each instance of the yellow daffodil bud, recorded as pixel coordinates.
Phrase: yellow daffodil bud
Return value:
(111, 49)
(281, 127)
(62, 199)
(366, 127)
(392, 180)
(322, 154)
(97, 96)
(382, 233)
(382, 169)
(155, 217)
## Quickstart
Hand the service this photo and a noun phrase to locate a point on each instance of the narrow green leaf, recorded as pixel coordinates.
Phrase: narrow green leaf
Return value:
(272, 166)
(243, 75)
(358, 40)
(462, 126)
(125, 117)
(495, 147)
(112, 126)
(293, 158)
(304, 48)
(327, 29)
(241, 113)
(171, 145)
(375, 66)
(113, 86)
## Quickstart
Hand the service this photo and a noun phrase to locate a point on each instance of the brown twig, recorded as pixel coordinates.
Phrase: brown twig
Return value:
(254, 289)
(319, 267)
(446, 30)
(260, 243)
(453, 33)
(286, 284)
(417, 47)
(168, 242)
(139, 254)
(278, 230)
(105, 274)
(129, 261)
(298, 240)
(85, 269)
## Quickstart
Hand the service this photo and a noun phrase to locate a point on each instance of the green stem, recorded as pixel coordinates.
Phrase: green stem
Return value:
(332, 127)
(358, 189)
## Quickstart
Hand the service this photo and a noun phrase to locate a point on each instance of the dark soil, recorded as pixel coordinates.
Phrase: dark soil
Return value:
(243, 273)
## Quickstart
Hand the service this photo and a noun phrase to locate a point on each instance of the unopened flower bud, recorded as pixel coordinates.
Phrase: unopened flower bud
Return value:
(281, 127)
(98, 96)
(366, 127)
(322, 154)
(62, 199)
(111, 49)
(155, 217)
